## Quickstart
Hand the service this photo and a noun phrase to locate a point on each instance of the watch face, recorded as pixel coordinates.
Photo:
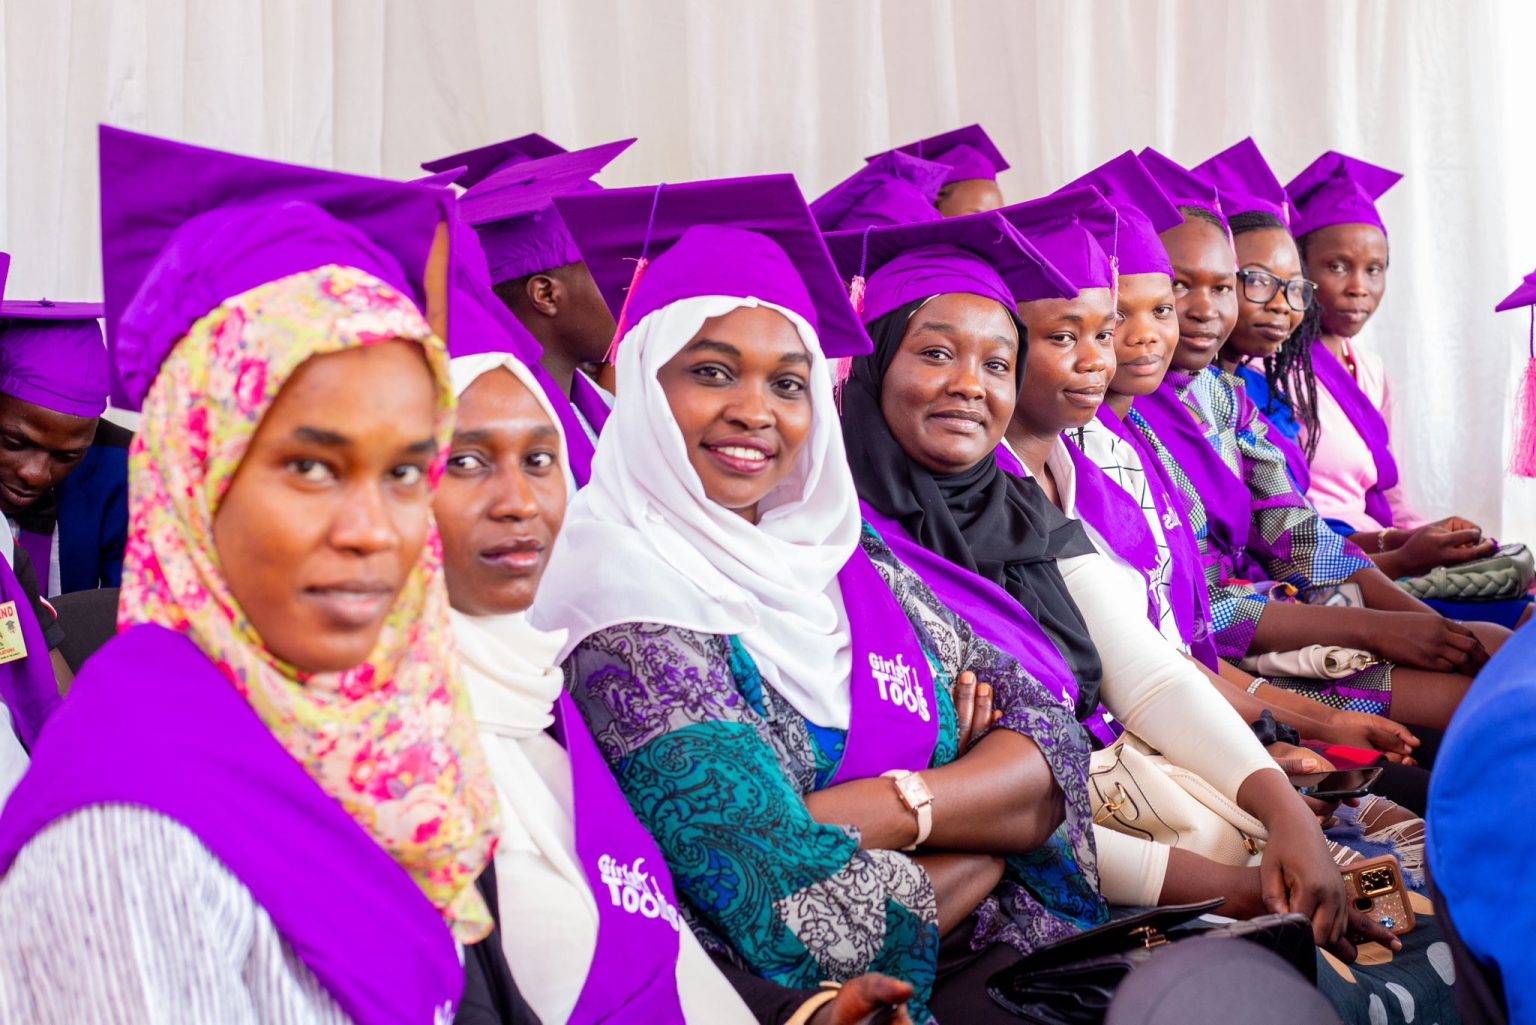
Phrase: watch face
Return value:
(914, 791)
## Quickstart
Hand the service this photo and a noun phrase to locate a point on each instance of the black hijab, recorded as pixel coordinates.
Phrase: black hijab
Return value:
(984, 519)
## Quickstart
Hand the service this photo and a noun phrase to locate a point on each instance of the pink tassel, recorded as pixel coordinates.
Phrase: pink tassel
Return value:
(623, 324)
(1523, 460)
(856, 294)
(1114, 284)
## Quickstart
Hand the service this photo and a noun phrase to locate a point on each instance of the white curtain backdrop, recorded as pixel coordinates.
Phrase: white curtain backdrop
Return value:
(1437, 90)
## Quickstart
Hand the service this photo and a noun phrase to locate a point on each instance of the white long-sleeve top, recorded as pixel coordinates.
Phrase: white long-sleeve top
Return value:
(1155, 692)
(118, 913)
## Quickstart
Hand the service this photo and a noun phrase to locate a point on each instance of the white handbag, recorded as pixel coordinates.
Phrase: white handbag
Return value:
(1139, 792)
(1314, 662)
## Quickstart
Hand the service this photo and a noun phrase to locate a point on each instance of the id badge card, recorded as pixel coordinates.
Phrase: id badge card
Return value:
(13, 645)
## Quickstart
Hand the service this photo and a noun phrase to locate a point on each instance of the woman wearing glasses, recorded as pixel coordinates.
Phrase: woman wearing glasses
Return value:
(1266, 550)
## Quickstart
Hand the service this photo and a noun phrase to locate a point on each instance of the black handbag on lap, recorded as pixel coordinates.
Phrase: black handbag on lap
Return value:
(1072, 982)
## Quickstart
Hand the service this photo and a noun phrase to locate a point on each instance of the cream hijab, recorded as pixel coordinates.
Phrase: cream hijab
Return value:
(642, 542)
(511, 671)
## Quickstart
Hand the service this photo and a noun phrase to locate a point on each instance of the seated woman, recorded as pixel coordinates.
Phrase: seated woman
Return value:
(941, 363)
(1295, 383)
(1263, 543)
(1070, 378)
(499, 507)
(1116, 484)
(770, 685)
(282, 615)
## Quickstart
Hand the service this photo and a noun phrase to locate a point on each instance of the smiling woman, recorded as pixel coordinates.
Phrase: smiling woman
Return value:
(739, 392)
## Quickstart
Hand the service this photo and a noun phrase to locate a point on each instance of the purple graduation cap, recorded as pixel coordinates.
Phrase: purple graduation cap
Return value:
(1338, 189)
(478, 321)
(184, 228)
(1144, 212)
(51, 353)
(978, 254)
(893, 188)
(441, 179)
(1058, 227)
(650, 247)
(968, 152)
(1246, 182)
(519, 230)
(1182, 186)
(481, 163)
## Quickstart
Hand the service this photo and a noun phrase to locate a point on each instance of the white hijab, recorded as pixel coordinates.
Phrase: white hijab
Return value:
(642, 542)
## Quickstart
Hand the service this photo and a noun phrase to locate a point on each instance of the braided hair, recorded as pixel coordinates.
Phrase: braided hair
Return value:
(1289, 371)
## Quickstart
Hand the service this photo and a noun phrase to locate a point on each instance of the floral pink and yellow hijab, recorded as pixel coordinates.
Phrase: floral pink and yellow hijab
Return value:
(391, 739)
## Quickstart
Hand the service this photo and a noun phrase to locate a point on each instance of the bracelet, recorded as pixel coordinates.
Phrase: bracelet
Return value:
(1258, 681)
(803, 1013)
(1381, 540)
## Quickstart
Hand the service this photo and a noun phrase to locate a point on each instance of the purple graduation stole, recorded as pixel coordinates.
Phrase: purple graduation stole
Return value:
(40, 550)
(27, 686)
(995, 616)
(1222, 493)
(1186, 586)
(893, 721)
(152, 722)
(589, 401)
(633, 977)
(1367, 421)
(579, 449)
(1114, 514)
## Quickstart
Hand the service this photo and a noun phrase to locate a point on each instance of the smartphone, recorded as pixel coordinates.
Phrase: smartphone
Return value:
(1375, 886)
(1342, 785)
(1344, 595)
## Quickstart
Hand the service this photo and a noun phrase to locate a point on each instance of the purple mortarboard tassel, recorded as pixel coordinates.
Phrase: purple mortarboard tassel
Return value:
(1144, 211)
(512, 210)
(185, 228)
(52, 355)
(893, 188)
(1061, 226)
(1246, 182)
(979, 254)
(1338, 189)
(748, 237)
(1182, 186)
(481, 163)
(1523, 458)
(968, 152)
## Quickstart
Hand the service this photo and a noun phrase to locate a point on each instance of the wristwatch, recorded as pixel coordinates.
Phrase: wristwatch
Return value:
(914, 793)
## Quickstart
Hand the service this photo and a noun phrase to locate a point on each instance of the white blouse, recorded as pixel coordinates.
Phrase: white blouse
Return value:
(118, 913)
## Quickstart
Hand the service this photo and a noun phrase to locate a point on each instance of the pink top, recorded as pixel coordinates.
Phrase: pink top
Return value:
(1343, 469)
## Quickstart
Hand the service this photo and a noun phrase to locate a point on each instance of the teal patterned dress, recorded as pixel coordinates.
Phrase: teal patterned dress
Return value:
(717, 764)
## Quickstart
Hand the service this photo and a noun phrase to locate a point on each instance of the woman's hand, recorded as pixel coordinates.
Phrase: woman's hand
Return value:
(1428, 641)
(1296, 873)
(1433, 545)
(868, 1000)
(1362, 930)
(1372, 733)
(1298, 761)
(974, 714)
(1457, 523)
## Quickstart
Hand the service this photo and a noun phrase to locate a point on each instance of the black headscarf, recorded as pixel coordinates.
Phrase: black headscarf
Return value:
(985, 519)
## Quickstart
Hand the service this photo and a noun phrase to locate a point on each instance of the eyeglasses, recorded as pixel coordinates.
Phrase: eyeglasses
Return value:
(1261, 286)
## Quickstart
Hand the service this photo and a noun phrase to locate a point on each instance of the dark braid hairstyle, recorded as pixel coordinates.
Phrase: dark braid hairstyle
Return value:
(1289, 371)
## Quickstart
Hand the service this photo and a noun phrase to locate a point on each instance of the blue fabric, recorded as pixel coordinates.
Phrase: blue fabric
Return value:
(1504, 613)
(1480, 846)
(93, 520)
